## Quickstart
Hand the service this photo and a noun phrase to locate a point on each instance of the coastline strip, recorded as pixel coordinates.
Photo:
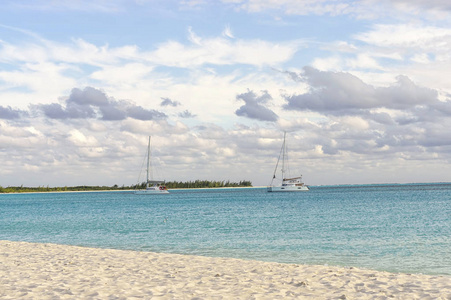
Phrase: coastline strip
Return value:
(49, 271)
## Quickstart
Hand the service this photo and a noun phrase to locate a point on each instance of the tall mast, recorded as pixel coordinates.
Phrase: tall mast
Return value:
(148, 162)
(283, 155)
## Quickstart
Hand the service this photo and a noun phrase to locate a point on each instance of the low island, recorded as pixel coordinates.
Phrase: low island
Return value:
(196, 184)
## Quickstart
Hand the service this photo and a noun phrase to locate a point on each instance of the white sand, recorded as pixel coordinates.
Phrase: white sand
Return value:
(47, 271)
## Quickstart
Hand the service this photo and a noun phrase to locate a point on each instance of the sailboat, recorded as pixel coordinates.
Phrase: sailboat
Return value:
(292, 184)
(153, 187)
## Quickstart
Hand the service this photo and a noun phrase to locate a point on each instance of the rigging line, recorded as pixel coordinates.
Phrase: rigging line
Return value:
(277, 165)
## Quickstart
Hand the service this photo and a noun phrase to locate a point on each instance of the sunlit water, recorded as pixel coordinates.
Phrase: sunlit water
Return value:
(398, 228)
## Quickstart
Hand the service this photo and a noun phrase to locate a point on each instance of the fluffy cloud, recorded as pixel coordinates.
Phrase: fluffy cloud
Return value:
(401, 121)
(186, 114)
(140, 113)
(169, 102)
(254, 107)
(33, 64)
(9, 113)
(88, 96)
(71, 111)
(91, 102)
(341, 93)
(418, 50)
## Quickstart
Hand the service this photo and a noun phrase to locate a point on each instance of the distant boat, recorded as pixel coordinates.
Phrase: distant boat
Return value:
(292, 184)
(153, 187)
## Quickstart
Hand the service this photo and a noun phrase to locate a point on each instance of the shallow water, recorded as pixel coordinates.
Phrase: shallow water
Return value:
(398, 228)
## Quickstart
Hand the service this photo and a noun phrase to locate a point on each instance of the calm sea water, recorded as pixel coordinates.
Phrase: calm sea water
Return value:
(398, 228)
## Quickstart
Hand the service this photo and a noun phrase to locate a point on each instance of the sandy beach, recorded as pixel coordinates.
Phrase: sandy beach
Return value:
(48, 271)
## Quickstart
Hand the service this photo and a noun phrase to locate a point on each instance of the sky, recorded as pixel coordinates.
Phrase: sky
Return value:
(362, 89)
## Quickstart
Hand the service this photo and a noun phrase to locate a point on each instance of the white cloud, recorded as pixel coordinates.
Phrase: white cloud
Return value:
(343, 93)
(127, 71)
(421, 58)
(356, 122)
(254, 107)
(80, 140)
(408, 36)
(127, 74)
(216, 50)
(419, 51)
(332, 63)
(228, 32)
(364, 61)
(221, 51)
(425, 52)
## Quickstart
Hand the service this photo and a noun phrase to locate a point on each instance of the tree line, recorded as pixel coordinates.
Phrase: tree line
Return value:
(170, 185)
(206, 184)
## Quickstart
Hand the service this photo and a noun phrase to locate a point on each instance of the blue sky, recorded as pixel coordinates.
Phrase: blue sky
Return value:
(361, 87)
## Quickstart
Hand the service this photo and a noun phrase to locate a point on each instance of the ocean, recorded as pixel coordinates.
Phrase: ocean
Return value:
(396, 228)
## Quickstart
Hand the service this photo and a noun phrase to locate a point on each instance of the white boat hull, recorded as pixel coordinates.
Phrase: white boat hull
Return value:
(288, 184)
(303, 188)
(151, 191)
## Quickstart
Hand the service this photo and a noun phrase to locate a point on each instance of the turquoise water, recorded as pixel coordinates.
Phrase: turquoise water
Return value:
(397, 228)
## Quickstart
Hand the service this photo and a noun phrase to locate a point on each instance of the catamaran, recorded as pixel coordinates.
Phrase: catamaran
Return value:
(153, 187)
(292, 184)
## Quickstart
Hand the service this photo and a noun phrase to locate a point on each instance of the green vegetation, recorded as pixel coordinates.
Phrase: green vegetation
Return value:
(206, 184)
(170, 185)
(22, 189)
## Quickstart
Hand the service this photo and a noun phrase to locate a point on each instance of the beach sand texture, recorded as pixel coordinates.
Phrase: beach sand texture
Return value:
(48, 271)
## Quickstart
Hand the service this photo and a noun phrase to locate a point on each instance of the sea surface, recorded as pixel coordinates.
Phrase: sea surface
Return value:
(397, 228)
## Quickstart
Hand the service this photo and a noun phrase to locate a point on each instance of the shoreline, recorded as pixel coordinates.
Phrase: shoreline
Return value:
(130, 191)
(344, 185)
(35, 270)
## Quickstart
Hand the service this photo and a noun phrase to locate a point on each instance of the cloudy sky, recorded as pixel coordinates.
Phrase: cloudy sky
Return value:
(362, 89)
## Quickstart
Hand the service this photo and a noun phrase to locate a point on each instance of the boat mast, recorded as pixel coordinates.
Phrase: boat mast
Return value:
(148, 162)
(283, 155)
